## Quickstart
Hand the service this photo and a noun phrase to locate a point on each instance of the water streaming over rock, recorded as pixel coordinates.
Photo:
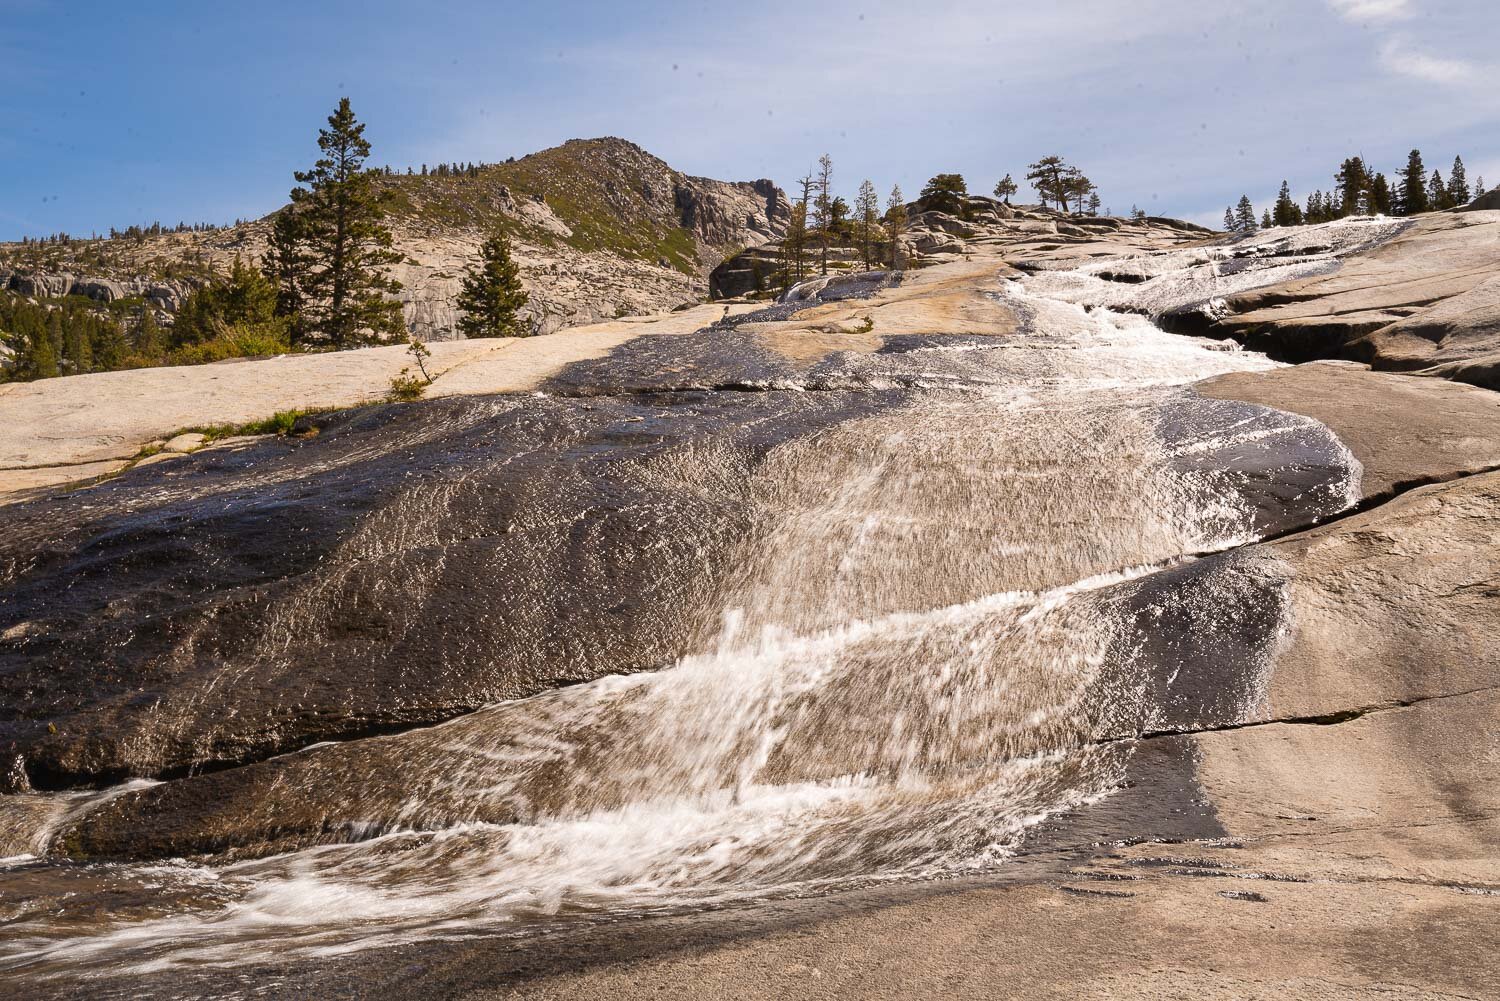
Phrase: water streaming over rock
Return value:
(926, 653)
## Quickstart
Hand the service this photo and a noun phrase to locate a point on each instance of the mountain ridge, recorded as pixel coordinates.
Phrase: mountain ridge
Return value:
(602, 228)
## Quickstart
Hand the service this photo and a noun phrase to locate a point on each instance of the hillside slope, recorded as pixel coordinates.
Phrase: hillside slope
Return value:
(601, 228)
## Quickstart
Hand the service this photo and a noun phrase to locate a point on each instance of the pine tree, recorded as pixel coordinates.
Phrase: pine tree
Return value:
(1244, 216)
(77, 351)
(895, 225)
(289, 266)
(41, 357)
(338, 244)
(1317, 207)
(56, 335)
(1437, 192)
(794, 243)
(108, 345)
(1049, 177)
(1287, 212)
(1077, 189)
(1094, 202)
(823, 207)
(1229, 225)
(1414, 198)
(1353, 182)
(945, 193)
(147, 346)
(245, 297)
(1004, 188)
(1479, 186)
(491, 295)
(1380, 196)
(1458, 184)
(867, 221)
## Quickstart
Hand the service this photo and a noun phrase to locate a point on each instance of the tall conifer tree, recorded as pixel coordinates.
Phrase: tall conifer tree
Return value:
(1380, 196)
(1437, 192)
(1244, 216)
(1287, 211)
(1414, 198)
(1458, 184)
(823, 211)
(330, 245)
(895, 225)
(1353, 185)
(491, 295)
(867, 221)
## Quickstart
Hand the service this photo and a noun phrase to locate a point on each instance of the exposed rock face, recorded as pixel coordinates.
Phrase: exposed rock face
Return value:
(721, 214)
(167, 295)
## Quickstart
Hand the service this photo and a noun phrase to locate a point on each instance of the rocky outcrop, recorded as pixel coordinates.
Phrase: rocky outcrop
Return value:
(1487, 202)
(1429, 300)
(749, 272)
(720, 214)
(165, 295)
(934, 237)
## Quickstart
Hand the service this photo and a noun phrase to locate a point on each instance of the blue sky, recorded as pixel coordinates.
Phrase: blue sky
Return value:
(119, 113)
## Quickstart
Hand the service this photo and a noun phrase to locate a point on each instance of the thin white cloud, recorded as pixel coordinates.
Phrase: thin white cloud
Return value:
(1372, 10)
(1398, 57)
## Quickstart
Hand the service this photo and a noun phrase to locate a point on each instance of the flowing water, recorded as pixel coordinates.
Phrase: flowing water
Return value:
(915, 667)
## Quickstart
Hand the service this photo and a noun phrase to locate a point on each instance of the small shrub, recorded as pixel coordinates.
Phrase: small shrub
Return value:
(420, 355)
(238, 340)
(283, 423)
(406, 387)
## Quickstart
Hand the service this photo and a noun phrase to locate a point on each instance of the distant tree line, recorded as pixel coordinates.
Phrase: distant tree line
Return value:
(444, 170)
(1359, 191)
(821, 219)
(137, 233)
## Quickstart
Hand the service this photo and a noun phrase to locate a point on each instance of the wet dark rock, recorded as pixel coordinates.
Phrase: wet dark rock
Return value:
(406, 565)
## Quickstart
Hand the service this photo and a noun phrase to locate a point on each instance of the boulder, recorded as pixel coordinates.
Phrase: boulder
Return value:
(162, 296)
(940, 222)
(934, 243)
(99, 289)
(1487, 202)
(185, 442)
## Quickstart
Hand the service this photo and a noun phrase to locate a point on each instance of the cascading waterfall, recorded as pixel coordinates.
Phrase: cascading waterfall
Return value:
(909, 676)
